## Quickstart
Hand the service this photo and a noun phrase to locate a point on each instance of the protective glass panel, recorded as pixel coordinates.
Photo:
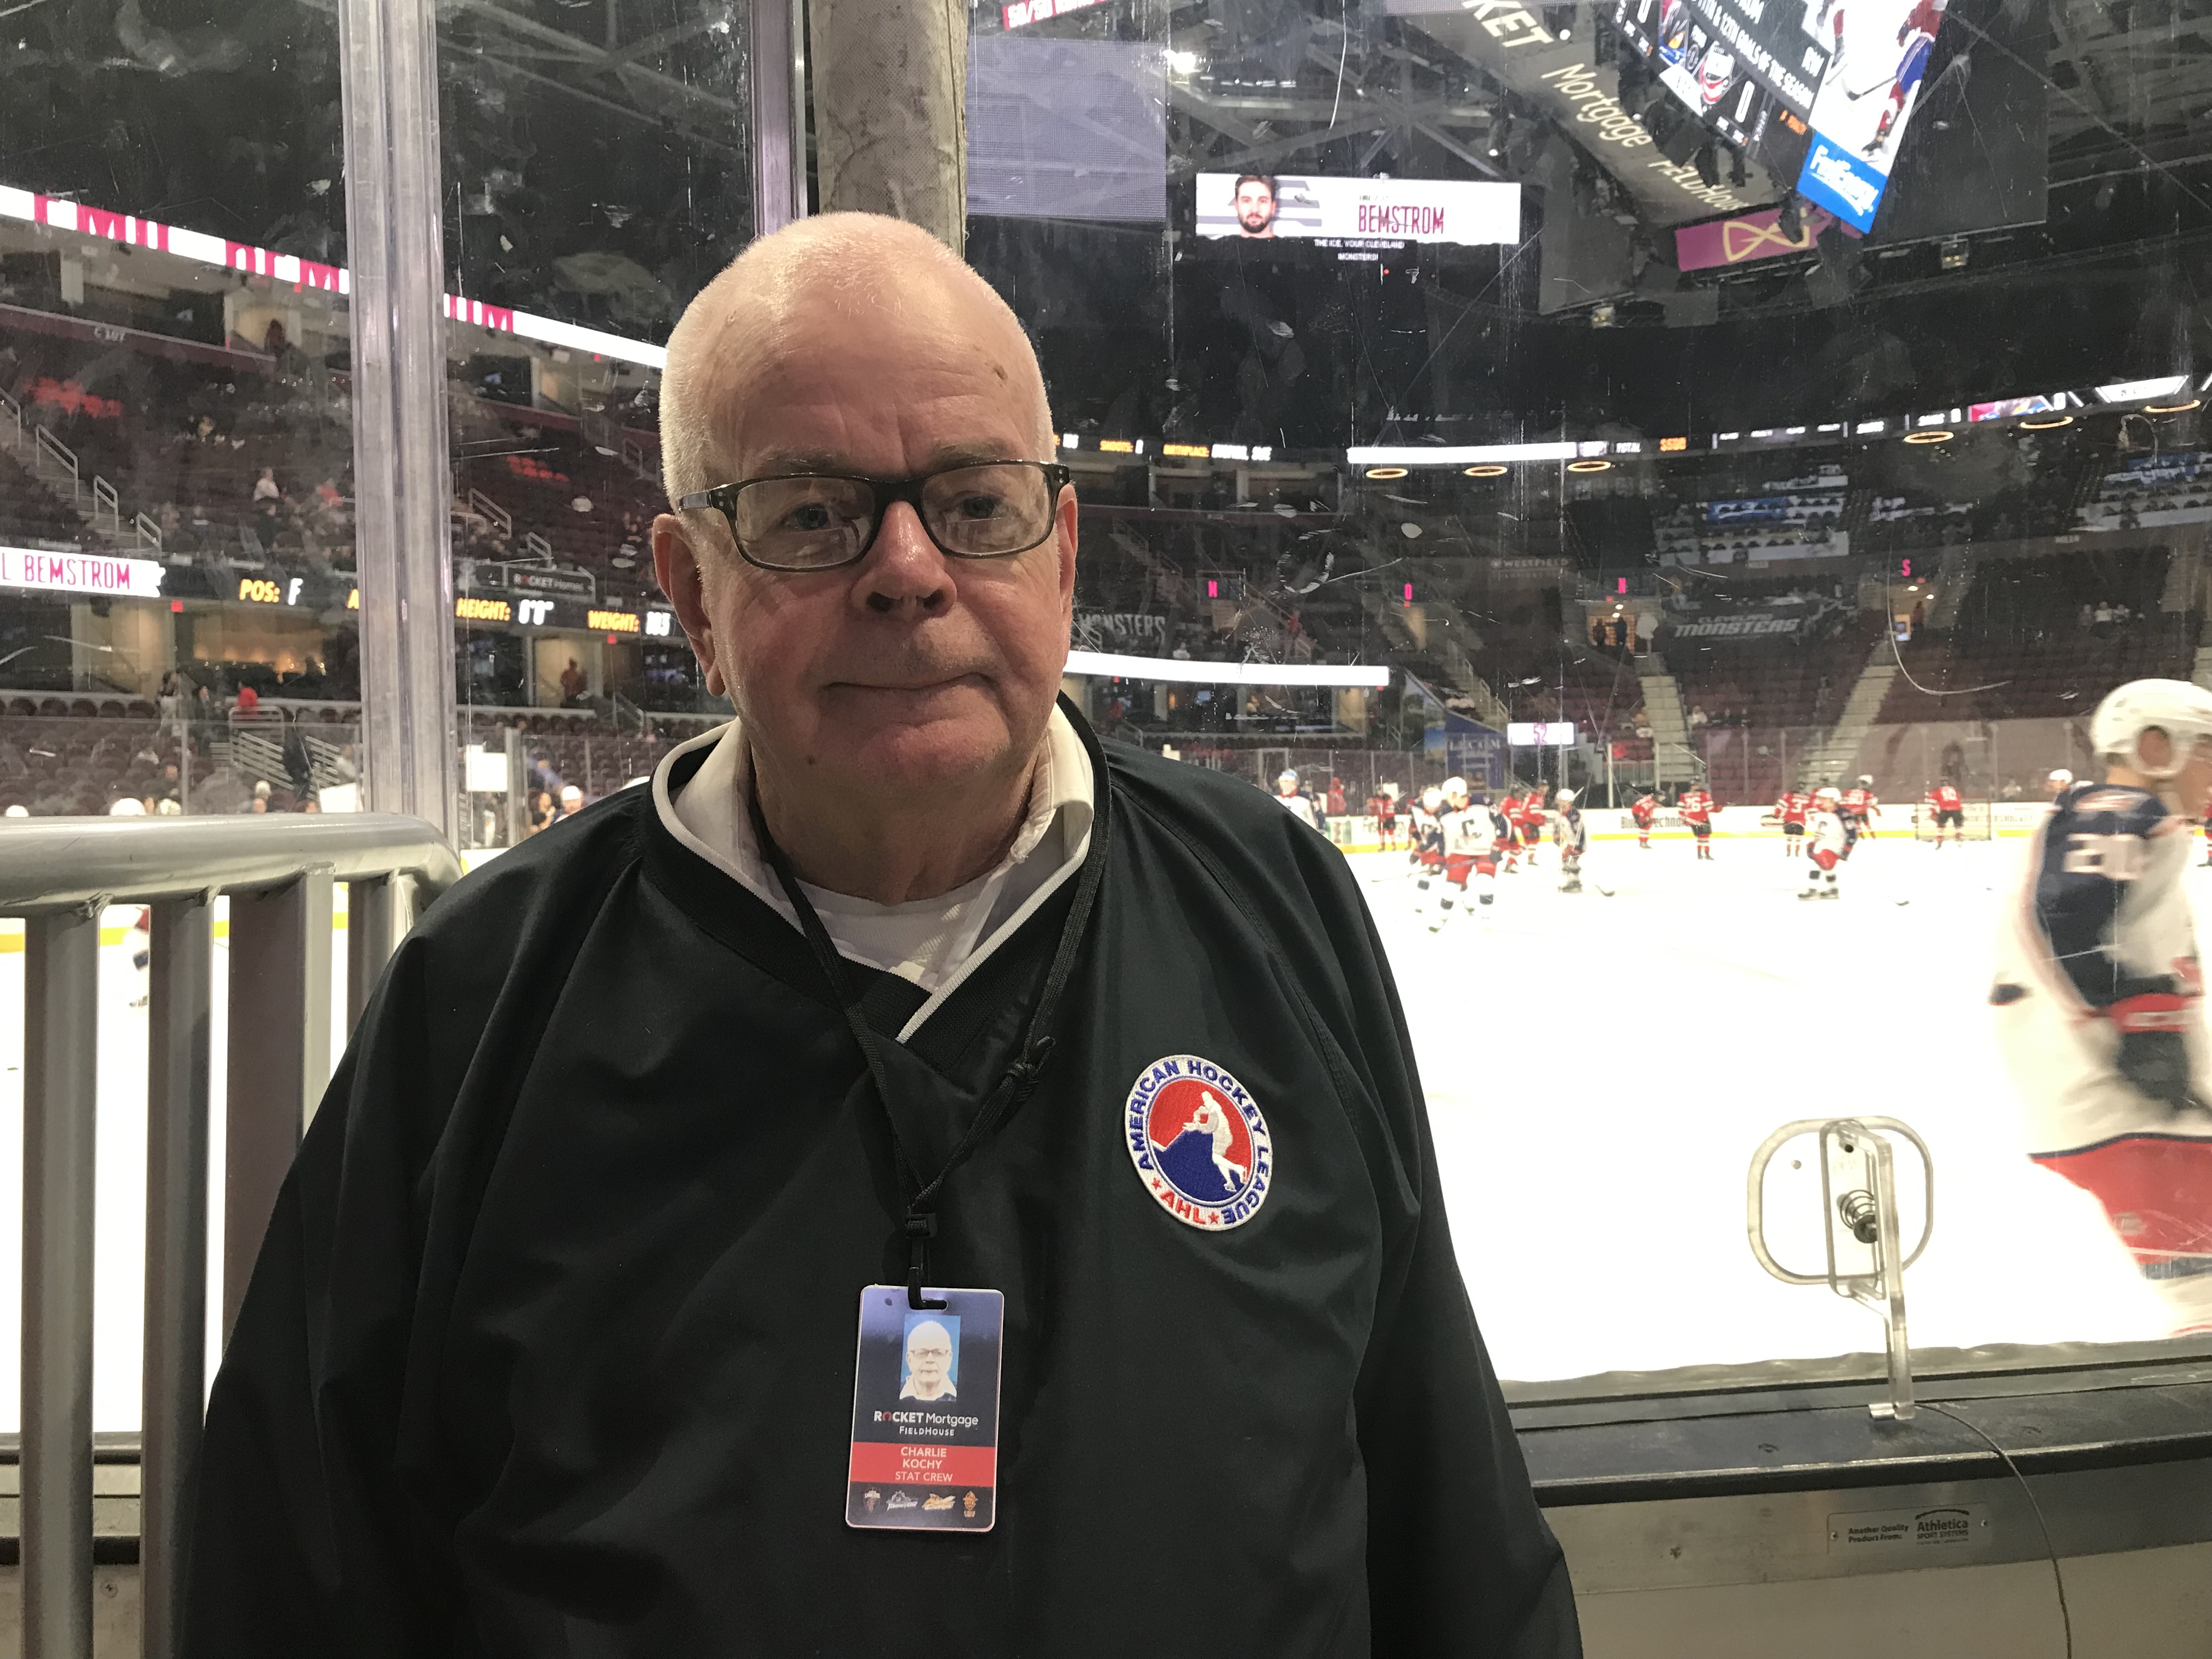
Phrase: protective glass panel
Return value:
(1692, 406)
(597, 168)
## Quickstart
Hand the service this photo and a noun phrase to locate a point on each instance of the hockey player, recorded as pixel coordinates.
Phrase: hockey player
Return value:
(1532, 824)
(1791, 809)
(1302, 806)
(1825, 845)
(1470, 842)
(1861, 808)
(2058, 782)
(1427, 851)
(1916, 39)
(1573, 841)
(1950, 808)
(1385, 808)
(2098, 993)
(1644, 808)
(1697, 808)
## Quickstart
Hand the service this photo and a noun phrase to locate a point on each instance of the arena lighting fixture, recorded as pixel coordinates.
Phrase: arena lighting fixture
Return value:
(1489, 469)
(2046, 426)
(2173, 408)
(1940, 434)
(1590, 466)
(1380, 472)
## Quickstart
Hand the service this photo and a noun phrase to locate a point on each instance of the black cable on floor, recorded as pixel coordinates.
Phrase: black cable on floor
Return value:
(2050, 1550)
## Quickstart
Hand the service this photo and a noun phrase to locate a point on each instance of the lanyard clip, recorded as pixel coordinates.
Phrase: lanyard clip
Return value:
(921, 1228)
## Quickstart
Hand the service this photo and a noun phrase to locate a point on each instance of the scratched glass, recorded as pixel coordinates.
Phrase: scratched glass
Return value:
(1654, 400)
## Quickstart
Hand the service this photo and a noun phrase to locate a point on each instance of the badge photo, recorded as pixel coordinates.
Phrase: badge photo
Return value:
(1200, 1142)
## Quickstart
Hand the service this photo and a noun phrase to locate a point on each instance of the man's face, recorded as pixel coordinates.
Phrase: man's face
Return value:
(1255, 207)
(910, 671)
(2192, 785)
(928, 1358)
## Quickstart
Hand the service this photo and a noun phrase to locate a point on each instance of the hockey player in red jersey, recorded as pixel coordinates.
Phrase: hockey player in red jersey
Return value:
(1861, 808)
(1697, 808)
(1532, 824)
(1643, 810)
(1791, 809)
(1949, 808)
(2098, 993)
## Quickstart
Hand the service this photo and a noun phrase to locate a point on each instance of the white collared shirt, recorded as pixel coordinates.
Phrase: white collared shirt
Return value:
(935, 943)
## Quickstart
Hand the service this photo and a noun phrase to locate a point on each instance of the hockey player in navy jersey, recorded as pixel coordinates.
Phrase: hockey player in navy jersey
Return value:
(2099, 991)
(1427, 853)
(1828, 832)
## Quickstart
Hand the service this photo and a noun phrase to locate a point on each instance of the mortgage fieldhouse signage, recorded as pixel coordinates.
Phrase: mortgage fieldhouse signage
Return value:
(80, 573)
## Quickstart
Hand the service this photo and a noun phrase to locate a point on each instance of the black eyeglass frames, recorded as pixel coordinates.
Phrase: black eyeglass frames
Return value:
(820, 520)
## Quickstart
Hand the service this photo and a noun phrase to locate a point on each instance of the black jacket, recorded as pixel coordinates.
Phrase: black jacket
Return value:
(549, 1347)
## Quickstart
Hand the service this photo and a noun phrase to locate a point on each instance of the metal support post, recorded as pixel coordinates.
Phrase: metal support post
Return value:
(891, 94)
(778, 89)
(181, 1000)
(279, 1060)
(370, 937)
(387, 59)
(518, 786)
(61, 1047)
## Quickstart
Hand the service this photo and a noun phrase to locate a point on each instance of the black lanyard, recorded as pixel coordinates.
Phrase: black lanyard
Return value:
(1015, 1082)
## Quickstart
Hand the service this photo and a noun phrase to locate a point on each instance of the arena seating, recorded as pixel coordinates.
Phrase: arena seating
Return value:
(29, 511)
(2019, 647)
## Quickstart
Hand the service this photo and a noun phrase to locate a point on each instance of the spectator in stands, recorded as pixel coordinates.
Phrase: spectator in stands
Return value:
(1697, 717)
(2104, 619)
(572, 802)
(259, 803)
(572, 685)
(541, 810)
(266, 487)
(249, 700)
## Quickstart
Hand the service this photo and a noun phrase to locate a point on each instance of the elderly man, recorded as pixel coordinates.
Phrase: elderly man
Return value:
(898, 991)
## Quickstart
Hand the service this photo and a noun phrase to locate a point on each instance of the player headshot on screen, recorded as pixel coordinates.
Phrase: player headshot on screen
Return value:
(1255, 204)
(928, 1363)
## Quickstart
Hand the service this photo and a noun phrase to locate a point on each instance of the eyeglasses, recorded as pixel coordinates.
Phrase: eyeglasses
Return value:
(820, 521)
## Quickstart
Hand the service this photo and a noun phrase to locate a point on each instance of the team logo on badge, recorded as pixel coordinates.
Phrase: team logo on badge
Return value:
(1198, 1142)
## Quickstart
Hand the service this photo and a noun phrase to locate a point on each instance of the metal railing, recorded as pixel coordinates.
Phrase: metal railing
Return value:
(50, 449)
(58, 874)
(106, 504)
(494, 514)
(149, 533)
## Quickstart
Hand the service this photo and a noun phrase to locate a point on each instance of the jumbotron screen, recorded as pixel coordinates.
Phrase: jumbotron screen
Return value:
(1268, 207)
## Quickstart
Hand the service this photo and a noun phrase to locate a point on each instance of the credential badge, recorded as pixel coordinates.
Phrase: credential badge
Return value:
(1200, 1142)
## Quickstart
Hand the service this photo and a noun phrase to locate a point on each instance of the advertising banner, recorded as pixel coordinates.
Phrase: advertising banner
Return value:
(1755, 236)
(1873, 83)
(1261, 207)
(80, 573)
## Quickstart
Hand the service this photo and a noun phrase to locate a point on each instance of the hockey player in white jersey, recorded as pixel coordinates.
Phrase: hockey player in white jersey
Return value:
(1573, 839)
(1292, 795)
(2099, 994)
(1471, 832)
(1826, 838)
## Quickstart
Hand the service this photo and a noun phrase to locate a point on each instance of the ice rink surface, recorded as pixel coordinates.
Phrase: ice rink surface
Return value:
(1599, 1071)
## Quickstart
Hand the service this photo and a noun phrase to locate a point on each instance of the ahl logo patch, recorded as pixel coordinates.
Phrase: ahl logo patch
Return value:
(1200, 1143)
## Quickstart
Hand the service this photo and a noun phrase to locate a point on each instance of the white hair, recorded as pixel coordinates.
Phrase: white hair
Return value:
(849, 261)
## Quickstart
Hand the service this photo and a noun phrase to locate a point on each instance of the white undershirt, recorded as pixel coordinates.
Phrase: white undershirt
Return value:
(934, 942)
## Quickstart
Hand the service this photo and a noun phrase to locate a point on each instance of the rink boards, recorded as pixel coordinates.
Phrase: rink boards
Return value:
(1598, 1071)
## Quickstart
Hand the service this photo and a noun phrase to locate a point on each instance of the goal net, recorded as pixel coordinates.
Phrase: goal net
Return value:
(1975, 828)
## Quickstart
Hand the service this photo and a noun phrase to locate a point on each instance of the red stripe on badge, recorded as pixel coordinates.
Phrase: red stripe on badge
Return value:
(903, 1463)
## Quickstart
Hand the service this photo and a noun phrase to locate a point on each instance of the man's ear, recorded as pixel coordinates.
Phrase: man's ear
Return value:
(683, 579)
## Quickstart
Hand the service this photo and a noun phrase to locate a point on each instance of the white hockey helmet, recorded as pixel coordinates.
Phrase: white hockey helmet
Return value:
(1866, 781)
(2060, 776)
(1432, 798)
(1286, 776)
(2182, 710)
(1565, 798)
(1827, 795)
(1454, 788)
